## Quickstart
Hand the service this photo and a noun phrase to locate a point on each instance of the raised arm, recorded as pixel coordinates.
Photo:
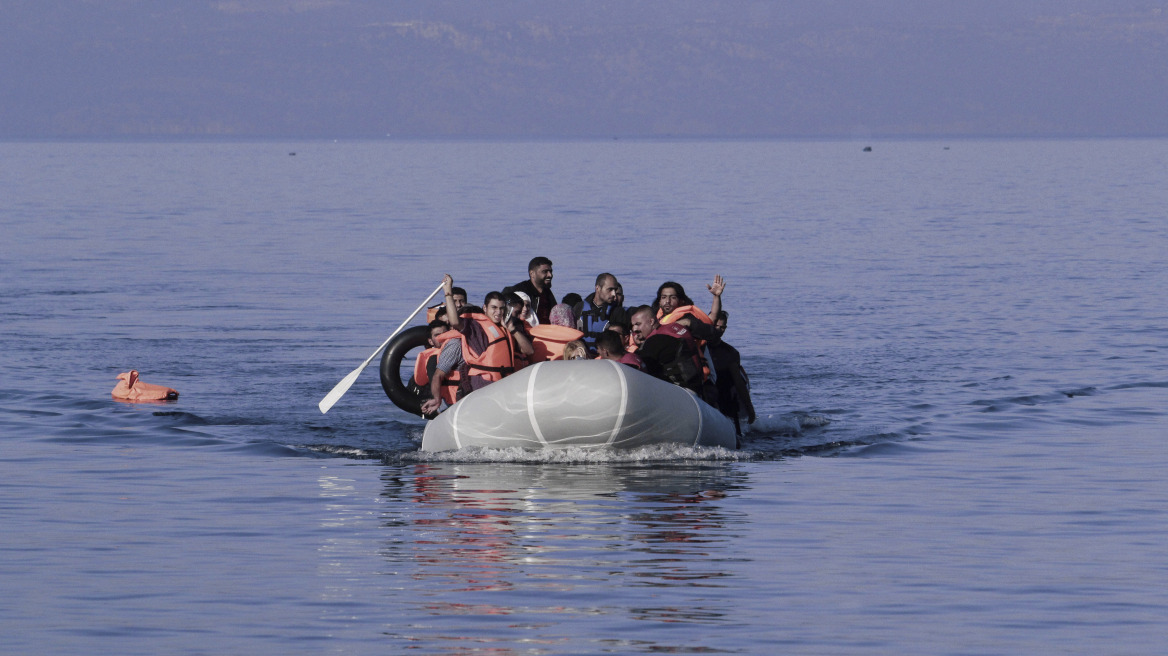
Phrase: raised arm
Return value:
(451, 312)
(718, 286)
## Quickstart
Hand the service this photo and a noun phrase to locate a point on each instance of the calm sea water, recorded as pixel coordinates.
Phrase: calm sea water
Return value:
(957, 351)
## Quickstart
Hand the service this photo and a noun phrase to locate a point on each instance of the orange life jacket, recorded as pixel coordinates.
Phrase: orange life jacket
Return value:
(697, 313)
(680, 312)
(129, 388)
(497, 359)
(549, 340)
(450, 384)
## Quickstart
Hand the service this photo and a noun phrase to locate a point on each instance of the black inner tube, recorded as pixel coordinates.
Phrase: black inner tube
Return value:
(396, 351)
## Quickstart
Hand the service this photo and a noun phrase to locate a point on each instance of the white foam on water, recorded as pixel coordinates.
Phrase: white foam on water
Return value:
(656, 453)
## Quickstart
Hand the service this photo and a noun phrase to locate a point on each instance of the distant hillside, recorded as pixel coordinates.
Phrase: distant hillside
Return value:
(333, 68)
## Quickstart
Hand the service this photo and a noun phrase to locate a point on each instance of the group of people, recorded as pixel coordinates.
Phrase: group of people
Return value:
(671, 338)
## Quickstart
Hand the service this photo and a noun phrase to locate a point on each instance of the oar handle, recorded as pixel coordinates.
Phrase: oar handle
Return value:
(339, 390)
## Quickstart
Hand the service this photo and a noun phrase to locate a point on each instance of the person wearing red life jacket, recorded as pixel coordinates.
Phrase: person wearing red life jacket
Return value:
(670, 352)
(481, 344)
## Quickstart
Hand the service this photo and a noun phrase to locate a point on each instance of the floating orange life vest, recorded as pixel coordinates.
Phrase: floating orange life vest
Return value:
(422, 376)
(497, 359)
(549, 340)
(129, 388)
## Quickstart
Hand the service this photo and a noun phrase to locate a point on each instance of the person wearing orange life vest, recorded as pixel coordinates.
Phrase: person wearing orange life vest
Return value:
(439, 311)
(672, 304)
(481, 344)
(426, 364)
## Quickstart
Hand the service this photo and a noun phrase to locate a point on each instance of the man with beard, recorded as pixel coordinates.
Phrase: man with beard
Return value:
(538, 288)
(601, 307)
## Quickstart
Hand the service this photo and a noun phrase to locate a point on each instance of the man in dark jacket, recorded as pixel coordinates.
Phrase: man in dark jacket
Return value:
(538, 288)
(600, 307)
(731, 380)
(668, 351)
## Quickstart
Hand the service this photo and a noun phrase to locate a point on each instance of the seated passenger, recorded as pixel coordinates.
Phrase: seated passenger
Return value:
(562, 315)
(575, 350)
(596, 311)
(672, 305)
(425, 365)
(610, 346)
(538, 287)
(670, 352)
(481, 344)
(528, 315)
(459, 295)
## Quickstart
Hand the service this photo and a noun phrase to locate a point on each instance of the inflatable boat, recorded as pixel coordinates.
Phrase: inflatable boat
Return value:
(578, 403)
(564, 404)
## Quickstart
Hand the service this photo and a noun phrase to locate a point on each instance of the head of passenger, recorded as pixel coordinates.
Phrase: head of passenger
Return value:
(619, 327)
(437, 327)
(610, 346)
(644, 321)
(620, 295)
(458, 295)
(539, 271)
(515, 305)
(562, 315)
(720, 322)
(606, 286)
(495, 307)
(572, 299)
(525, 314)
(670, 296)
(575, 350)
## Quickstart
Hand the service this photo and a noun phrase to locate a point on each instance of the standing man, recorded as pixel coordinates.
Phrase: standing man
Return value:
(599, 308)
(538, 287)
(732, 383)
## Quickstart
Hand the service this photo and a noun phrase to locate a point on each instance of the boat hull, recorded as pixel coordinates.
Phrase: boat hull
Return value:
(584, 404)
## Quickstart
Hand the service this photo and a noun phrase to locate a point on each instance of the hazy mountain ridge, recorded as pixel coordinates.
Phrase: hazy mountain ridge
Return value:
(331, 68)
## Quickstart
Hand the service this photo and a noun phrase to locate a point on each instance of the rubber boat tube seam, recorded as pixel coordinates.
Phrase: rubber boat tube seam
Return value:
(454, 424)
(698, 434)
(531, 404)
(624, 401)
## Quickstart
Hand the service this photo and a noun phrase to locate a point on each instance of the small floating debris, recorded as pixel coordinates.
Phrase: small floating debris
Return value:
(129, 388)
(291, 154)
(867, 149)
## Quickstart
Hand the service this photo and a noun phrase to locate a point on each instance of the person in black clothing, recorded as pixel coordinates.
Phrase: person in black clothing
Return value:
(731, 381)
(669, 352)
(600, 307)
(538, 288)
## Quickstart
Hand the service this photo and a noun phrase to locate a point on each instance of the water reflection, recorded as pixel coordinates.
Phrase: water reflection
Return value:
(543, 544)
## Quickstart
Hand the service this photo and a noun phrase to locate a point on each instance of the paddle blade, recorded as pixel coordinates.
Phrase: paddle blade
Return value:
(339, 391)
